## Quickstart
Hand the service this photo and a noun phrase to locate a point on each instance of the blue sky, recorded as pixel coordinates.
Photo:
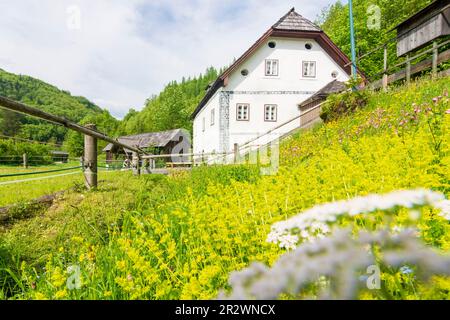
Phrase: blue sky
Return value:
(118, 53)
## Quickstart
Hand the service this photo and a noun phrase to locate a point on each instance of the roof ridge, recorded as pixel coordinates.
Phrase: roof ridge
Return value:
(295, 21)
(284, 17)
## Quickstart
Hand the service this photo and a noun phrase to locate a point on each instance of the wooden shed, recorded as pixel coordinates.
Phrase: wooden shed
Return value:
(425, 26)
(60, 156)
(155, 142)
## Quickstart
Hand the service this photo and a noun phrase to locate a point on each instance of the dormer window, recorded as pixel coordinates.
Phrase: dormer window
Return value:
(271, 68)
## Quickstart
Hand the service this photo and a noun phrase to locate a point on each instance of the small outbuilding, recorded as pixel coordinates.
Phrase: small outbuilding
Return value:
(158, 143)
(60, 156)
(429, 24)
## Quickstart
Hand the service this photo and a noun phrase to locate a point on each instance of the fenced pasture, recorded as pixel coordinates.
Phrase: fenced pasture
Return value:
(18, 184)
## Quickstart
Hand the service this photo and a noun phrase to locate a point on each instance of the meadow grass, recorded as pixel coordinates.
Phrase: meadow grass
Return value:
(157, 237)
(22, 192)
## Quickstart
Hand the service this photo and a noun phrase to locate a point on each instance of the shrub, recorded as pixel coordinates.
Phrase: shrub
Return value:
(342, 104)
(11, 153)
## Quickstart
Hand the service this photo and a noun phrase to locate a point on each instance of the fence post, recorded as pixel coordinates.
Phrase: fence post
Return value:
(408, 69)
(90, 159)
(25, 161)
(435, 59)
(136, 164)
(236, 153)
(385, 75)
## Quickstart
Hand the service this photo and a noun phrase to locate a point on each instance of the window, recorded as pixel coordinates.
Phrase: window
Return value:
(309, 69)
(244, 72)
(272, 68)
(272, 44)
(308, 46)
(213, 116)
(334, 74)
(270, 112)
(203, 124)
(243, 112)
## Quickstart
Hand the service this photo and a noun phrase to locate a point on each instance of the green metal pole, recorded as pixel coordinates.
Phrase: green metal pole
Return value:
(352, 38)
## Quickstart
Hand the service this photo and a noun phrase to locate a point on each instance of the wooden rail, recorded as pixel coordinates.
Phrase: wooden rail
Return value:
(23, 108)
(410, 70)
(90, 133)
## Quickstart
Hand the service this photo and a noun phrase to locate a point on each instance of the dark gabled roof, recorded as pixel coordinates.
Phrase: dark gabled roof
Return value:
(333, 87)
(429, 11)
(291, 25)
(148, 140)
(59, 153)
(294, 21)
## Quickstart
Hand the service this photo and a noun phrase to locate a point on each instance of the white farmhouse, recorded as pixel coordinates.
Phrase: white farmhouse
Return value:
(262, 90)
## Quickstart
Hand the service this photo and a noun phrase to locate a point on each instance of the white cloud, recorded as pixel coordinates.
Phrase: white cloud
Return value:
(125, 51)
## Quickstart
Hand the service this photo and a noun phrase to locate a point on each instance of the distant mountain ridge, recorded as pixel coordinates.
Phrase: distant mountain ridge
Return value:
(44, 96)
(48, 98)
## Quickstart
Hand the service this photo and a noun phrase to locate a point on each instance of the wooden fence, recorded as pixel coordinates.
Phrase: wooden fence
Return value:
(89, 164)
(408, 67)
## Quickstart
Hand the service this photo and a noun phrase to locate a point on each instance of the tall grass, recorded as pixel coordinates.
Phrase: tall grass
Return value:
(178, 237)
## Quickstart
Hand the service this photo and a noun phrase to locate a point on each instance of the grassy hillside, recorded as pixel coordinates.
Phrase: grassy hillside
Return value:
(180, 236)
(48, 98)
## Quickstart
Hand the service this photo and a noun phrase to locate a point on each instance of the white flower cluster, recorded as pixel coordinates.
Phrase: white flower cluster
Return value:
(314, 223)
(445, 208)
(339, 258)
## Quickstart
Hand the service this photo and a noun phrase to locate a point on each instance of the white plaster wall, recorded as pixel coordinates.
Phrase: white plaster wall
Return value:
(207, 141)
(290, 54)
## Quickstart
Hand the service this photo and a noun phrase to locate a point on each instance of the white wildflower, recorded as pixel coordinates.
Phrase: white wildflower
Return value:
(396, 229)
(444, 206)
(335, 264)
(316, 220)
(288, 241)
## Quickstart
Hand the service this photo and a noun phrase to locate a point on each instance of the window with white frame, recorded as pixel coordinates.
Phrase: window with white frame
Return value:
(309, 69)
(270, 112)
(213, 116)
(243, 112)
(271, 68)
(203, 124)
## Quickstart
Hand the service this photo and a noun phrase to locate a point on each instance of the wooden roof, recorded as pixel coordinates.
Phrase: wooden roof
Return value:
(294, 21)
(152, 139)
(291, 25)
(334, 86)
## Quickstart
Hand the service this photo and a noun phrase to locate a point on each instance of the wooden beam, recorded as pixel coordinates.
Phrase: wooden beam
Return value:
(385, 68)
(23, 108)
(90, 160)
(435, 60)
(25, 161)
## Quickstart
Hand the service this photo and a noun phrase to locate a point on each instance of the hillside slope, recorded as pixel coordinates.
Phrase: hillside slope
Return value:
(182, 235)
(46, 97)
